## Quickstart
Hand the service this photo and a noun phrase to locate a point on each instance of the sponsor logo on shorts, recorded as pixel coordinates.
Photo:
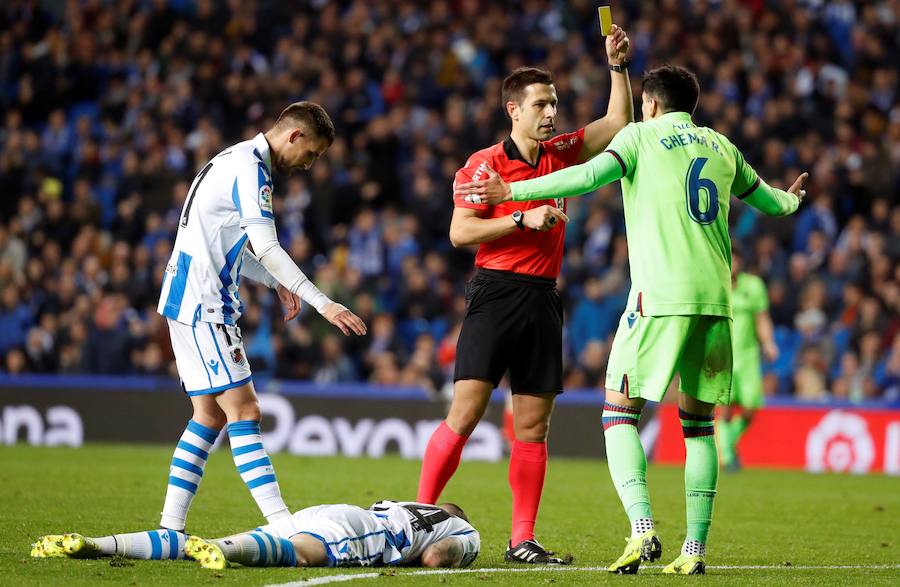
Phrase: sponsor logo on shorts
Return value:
(632, 318)
(214, 365)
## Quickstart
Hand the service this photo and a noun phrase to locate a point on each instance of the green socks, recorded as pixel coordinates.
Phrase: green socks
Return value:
(729, 433)
(701, 473)
(628, 467)
(626, 459)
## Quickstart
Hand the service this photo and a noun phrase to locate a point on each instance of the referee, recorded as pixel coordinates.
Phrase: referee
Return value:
(514, 317)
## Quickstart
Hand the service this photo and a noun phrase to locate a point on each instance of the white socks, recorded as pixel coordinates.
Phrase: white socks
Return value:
(693, 548)
(185, 473)
(640, 526)
(256, 469)
(152, 545)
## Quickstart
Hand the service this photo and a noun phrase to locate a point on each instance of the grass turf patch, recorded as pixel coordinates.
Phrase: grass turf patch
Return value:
(783, 521)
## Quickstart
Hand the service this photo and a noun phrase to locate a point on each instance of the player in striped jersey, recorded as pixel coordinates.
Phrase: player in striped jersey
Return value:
(340, 535)
(227, 230)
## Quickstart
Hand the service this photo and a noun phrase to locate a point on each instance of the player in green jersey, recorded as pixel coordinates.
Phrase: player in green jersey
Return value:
(677, 182)
(752, 331)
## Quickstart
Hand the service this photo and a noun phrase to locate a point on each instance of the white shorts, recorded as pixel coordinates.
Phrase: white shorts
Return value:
(352, 536)
(210, 357)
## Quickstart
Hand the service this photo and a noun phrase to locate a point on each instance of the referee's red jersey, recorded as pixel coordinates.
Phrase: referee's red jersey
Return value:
(529, 252)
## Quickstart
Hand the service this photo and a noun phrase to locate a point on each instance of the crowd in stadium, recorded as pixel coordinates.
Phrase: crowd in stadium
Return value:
(109, 108)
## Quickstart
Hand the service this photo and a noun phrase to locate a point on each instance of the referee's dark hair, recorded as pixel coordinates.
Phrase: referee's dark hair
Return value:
(515, 83)
(310, 115)
(675, 88)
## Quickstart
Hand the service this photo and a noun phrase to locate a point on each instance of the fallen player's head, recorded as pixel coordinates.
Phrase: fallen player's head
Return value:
(453, 510)
(669, 88)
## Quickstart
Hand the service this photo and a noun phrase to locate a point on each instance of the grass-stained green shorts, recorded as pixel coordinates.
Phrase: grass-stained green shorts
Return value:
(746, 382)
(649, 350)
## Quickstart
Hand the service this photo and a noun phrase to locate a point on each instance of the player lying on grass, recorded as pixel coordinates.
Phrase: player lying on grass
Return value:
(677, 182)
(388, 533)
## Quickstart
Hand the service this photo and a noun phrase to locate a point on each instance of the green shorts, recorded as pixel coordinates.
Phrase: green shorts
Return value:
(649, 350)
(746, 383)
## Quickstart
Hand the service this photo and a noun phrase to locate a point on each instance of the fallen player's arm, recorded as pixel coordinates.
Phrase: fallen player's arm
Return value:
(448, 552)
(572, 181)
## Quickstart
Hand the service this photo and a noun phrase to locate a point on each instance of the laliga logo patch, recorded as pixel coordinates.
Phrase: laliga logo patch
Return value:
(265, 198)
(237, 355)
(840, 442)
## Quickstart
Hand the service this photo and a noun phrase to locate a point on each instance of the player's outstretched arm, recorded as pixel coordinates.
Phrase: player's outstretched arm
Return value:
(253, 269)
(280, 265)
(572, 181)
(773, 201)
(598, 134)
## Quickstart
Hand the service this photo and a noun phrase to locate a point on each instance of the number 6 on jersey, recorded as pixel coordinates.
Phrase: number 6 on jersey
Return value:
(693, 183)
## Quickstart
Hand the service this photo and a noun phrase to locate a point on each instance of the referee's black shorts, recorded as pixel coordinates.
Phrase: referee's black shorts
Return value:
(513, 322)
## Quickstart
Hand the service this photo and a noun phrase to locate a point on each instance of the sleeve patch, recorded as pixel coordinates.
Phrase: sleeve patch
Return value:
(265, 198)
(265, 190)
(750, 190)
(566, 143)
(619, 159)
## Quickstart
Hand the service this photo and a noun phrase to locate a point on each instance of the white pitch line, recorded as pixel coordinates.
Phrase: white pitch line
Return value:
(354, 576)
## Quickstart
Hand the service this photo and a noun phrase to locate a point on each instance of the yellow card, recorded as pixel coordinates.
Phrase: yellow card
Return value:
(605, 19)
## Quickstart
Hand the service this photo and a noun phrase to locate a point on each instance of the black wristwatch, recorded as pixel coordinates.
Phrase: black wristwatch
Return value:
(619, 67)
(518, 218)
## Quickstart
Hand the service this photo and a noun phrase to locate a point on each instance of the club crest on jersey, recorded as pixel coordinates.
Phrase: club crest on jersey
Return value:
(265, 197)
(237, 355)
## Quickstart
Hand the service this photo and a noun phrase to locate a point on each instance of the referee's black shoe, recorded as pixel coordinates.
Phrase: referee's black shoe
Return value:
(529, 551)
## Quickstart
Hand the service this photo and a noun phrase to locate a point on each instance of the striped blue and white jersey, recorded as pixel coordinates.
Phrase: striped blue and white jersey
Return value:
(202, 276)
(413, 527)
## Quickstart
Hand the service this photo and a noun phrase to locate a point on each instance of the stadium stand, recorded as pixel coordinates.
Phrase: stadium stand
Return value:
(109, 108)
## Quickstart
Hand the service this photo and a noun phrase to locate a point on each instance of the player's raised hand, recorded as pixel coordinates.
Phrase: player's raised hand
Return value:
(797, 186)
(344, 319)
(543, 218)
(289, 301)
(617, 45)
(492, 190)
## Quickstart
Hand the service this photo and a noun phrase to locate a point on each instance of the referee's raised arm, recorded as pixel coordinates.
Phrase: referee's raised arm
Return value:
(598, 134)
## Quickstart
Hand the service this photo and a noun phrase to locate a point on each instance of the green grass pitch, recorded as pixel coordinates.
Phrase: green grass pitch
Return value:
(779, 522)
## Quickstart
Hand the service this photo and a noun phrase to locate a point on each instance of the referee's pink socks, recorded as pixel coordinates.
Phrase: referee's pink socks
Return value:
(440, 462)
(527, 468)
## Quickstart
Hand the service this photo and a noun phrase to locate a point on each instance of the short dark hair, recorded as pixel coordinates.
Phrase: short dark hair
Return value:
(675, 87)
(453, 510)
(515, 83)
(312, 116)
